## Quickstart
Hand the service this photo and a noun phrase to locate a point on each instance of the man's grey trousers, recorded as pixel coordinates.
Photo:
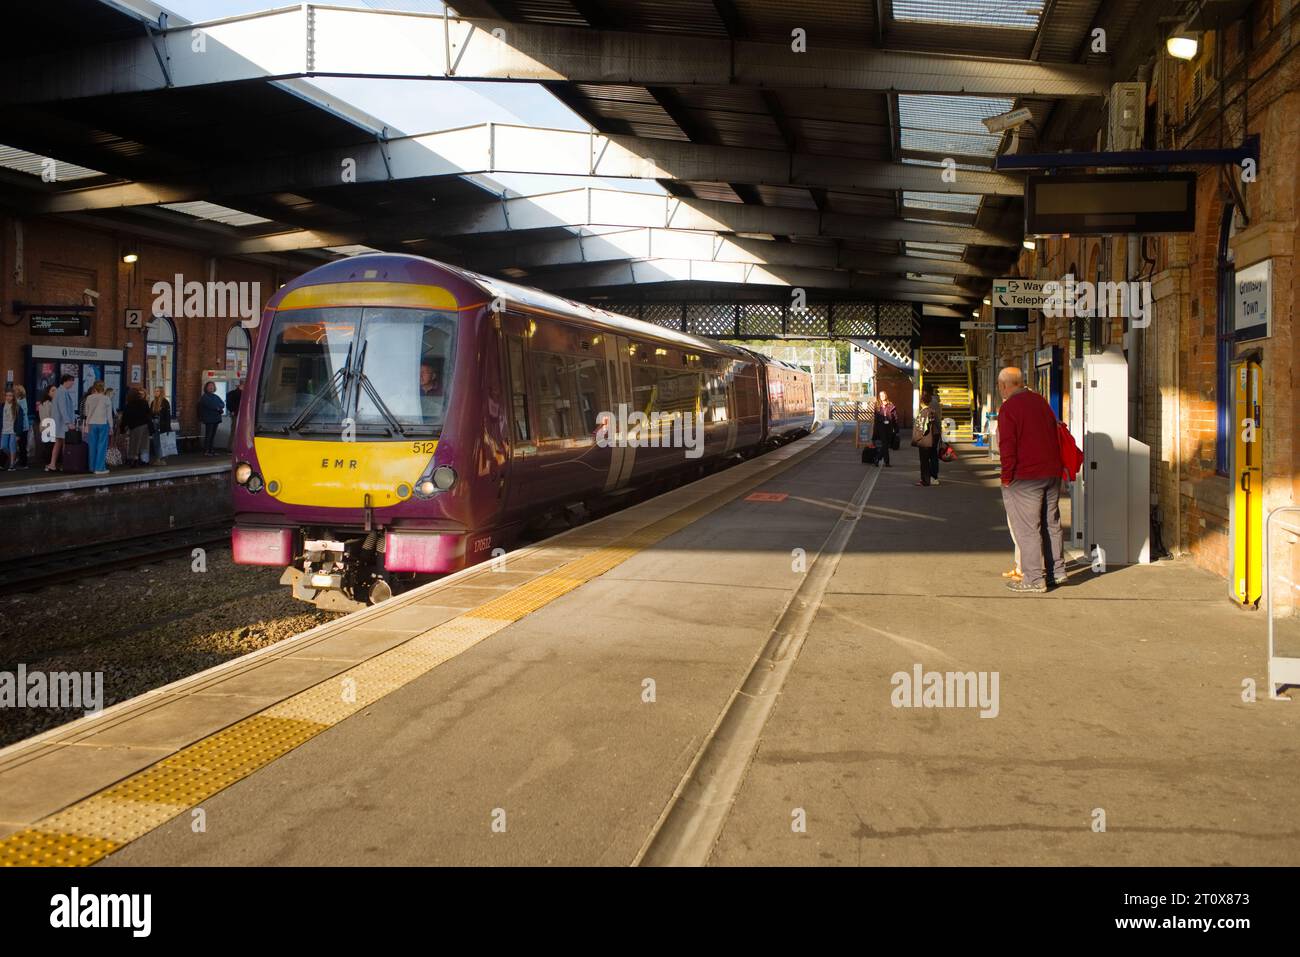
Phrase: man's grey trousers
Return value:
(1034, 512)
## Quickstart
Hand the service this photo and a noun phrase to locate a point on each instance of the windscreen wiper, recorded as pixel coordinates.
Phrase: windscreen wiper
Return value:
(340, 377)
(363, 382)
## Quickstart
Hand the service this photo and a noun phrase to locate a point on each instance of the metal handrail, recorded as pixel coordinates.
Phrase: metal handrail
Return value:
(1282, 670)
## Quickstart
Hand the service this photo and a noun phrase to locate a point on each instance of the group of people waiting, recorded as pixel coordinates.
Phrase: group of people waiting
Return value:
(140, 422)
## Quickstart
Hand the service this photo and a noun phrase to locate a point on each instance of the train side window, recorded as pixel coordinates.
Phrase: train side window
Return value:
(559, 407)
(518, 389)
(593, 396)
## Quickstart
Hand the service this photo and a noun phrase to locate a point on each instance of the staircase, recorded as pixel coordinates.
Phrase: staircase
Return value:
(949, 375)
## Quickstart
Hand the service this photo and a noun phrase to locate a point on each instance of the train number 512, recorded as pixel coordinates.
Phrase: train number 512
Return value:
(423, 448)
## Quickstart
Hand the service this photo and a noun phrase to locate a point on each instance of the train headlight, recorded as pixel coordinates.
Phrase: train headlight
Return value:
(444, 477)
(243, 472)
(427, 487)
(254, 483)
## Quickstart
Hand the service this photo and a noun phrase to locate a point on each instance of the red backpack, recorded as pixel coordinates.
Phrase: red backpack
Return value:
(1071, 455)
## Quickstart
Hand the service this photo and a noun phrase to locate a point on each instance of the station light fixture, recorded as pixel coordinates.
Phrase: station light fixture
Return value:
(1184, 45)
(1029, 244)
(988, 301)
(130, 256)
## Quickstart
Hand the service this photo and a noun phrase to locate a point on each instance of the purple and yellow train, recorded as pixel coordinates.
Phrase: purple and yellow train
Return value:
(406, 418)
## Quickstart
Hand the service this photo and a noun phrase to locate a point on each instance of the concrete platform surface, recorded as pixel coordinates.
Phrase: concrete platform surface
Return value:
(549, 713)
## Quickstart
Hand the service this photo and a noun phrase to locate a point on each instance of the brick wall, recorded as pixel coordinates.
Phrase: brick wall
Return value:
(1176, 376)
(59, 260)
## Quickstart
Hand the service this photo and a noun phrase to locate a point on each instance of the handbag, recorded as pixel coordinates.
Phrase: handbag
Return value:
(921, 436)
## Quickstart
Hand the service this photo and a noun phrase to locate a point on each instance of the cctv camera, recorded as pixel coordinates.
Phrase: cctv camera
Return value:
(91, 293)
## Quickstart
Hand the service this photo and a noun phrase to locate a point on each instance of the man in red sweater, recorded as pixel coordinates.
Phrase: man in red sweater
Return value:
(1031, 479)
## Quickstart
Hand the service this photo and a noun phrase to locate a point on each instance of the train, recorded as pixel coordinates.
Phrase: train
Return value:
(404, 419)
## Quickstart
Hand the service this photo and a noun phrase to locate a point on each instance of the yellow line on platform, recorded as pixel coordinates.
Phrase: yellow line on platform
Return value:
(98, 825)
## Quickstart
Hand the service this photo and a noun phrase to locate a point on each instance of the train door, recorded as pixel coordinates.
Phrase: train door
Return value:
(523, 417)
(620, 391)
(620, 469)
(733, 405)
(1248, 494)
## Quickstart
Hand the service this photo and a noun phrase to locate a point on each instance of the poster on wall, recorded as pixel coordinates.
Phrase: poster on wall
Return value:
(113, 384)
(47, 374)
(91, 372)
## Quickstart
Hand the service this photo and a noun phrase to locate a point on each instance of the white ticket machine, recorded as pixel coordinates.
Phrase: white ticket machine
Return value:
(1111, 500)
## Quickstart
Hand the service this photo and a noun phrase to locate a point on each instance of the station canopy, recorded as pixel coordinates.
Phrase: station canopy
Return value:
(719, 150)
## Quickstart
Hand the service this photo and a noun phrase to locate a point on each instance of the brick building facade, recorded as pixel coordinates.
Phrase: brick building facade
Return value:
(1244, 81)
(50, 263)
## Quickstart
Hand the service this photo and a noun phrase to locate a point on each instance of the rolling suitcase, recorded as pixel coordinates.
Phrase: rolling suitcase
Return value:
(76, 458)
(868, 455)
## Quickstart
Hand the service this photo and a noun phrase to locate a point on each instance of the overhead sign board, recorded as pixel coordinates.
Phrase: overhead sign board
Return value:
(1092, 204)
(1253, 317)
(985, 326)
(61, 324)
(1018, 294)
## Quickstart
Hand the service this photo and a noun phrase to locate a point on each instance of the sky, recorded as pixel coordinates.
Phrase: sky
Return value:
(421, 106)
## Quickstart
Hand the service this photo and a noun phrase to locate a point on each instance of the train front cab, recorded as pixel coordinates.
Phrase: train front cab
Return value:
(356, 473)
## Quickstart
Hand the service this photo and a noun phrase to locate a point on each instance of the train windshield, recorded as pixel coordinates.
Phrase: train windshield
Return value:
(383, 371)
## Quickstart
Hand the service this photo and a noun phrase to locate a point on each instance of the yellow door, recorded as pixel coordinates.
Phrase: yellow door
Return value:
(1248, 497)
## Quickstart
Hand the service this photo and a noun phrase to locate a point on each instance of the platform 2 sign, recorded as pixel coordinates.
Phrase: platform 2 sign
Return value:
(58, 324)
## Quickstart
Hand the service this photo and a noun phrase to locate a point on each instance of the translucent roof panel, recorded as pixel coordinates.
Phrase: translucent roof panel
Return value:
(25, 162)
(215, 213)
(951, 251)
(1005, 14)
(968, 203)
(950, 124)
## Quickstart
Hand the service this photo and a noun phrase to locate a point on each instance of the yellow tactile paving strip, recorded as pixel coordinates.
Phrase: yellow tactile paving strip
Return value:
(98, 825)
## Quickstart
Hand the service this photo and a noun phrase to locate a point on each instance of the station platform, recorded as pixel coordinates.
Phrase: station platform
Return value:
(51, 513)
(709, 677)
(36, 480)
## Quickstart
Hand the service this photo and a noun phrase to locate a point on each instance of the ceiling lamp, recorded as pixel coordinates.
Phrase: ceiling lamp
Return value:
(1030, 244)
(1183, 45)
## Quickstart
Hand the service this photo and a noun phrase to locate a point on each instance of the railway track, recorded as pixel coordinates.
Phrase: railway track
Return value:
(38, 571)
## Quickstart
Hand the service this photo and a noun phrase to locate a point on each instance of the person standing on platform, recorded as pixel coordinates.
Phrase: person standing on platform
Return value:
(936, 411)
(13, 429)
(44, 413)
(99, 422)
(65, 418)
(925, 436)
(161, 410)
(1030, 449)
(886, 424)
(210, 411)
(20, 396)
(233, 398)
(135, 422)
